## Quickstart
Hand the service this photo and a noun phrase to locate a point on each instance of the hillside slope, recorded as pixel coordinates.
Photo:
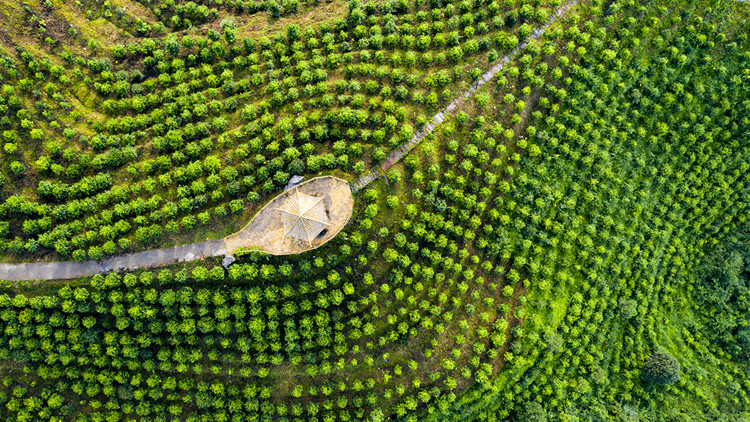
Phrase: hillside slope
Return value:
(570, 245)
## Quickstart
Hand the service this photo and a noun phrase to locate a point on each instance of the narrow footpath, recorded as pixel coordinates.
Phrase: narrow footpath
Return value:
(130, 262)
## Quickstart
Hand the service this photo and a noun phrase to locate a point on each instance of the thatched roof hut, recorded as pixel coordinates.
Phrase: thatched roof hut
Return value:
(303, 216)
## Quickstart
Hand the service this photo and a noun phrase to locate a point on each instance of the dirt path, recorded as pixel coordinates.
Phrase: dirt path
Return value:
(130, 262)
(454, 105)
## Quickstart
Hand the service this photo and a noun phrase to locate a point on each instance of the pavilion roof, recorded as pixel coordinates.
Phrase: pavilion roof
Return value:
(303, 216)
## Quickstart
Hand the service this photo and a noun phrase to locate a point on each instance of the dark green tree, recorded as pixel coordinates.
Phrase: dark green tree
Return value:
(661, 368)
(532, 411)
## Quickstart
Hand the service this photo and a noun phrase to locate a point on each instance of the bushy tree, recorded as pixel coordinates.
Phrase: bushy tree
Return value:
(532, 411)
(661, 368)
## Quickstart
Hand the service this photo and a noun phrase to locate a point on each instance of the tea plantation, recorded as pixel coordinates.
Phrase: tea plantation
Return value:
(567, 239)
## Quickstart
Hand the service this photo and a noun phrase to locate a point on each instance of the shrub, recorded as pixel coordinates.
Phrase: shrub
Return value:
(628, 308)
(17, 167)
(394, 176)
